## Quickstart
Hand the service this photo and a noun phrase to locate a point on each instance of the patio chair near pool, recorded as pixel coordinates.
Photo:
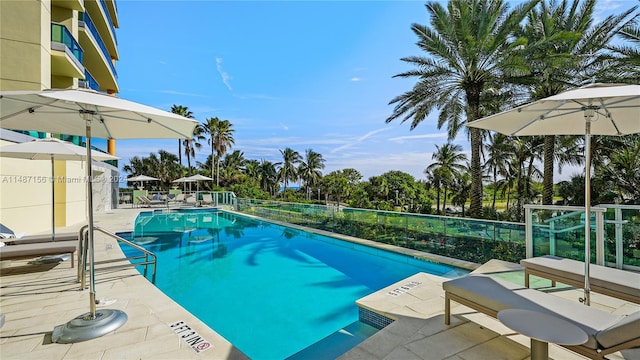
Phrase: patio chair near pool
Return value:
(34, 250)
(178, 199)
(190, 201)
(9, 237)
(207, 199)
(146, 202)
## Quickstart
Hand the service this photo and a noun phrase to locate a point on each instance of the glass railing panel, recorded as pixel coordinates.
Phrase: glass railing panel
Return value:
(561, 233)
(622, 235)
(84, 17)
(60, 34)
(467, 239)
(91, 81)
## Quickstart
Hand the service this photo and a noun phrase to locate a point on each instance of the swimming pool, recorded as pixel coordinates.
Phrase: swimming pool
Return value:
(270, 290)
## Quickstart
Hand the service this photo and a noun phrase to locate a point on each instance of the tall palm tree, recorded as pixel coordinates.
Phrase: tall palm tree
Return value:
(449, 164)
(469, 49)
(309, 169)
(288, 168)
(498, 149)
(268, 177)
(565, 50)
(184, 111)
(220, 138)
(232, 165)
(190, 145)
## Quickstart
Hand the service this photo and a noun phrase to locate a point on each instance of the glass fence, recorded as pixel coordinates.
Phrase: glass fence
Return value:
(560, 230)
(472, 240)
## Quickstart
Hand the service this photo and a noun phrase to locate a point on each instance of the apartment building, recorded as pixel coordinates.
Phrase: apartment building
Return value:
(61, 44)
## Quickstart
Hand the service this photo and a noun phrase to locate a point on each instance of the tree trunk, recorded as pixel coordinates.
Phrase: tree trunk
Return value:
(495, 189)
(473, 113)
(213, 159)
(547, 182)
(180, 151)
(475, 208)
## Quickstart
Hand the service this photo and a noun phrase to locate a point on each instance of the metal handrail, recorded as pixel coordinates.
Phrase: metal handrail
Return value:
(149, 257)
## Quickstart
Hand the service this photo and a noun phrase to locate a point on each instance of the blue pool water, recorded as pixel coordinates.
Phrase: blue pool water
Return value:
(270, 290)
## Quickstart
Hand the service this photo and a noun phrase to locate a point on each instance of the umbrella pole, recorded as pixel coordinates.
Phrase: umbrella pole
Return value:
(93, 324)
(53, 203)
(588, 116)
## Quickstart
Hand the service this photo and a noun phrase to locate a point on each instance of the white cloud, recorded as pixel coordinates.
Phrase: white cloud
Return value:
(225, 76)
(356, 79)
(419, 136)
(359, 140)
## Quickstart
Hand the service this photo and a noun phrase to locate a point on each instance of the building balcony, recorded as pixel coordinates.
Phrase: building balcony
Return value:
(103, 24)
(77, 5)
(66, 54)
(97, 59)
(89, 82)
(113, 10)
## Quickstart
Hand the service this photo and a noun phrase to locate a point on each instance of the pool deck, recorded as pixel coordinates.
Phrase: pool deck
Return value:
(35, 298)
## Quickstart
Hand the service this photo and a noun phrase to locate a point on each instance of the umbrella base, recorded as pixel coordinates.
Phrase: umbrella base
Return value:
(83, 328)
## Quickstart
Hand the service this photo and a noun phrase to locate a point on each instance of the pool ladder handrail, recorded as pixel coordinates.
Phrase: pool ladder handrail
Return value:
(83, 246)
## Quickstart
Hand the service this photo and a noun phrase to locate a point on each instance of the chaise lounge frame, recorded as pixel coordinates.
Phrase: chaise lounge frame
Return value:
(613, 282)
(32, 250)
(507, 288)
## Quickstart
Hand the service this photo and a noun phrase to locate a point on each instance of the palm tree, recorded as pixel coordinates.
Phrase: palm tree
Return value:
(190, 145)
(309, 169)
(469, 49)
(268, 177)
(566, 50)
(288, 168)
(232, 167)
(220, 138)
(184, 111)
(498, 150)
(449, 163)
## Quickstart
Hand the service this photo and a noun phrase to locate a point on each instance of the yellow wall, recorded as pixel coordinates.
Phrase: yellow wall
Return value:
(25, 38)
(26, 193)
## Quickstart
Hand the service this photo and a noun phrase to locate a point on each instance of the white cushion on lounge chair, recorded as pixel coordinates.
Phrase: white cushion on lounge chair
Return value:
(499, 295)
(613, 282)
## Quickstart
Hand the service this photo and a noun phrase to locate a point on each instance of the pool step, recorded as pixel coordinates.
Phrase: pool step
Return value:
(336, 344)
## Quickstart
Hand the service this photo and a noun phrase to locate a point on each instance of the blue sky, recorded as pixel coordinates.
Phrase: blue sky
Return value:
(299, 74)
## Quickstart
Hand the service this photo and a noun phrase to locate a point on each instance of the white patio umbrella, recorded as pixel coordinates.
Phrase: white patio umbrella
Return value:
(197, 178)
(51, 149)
(88, 113)
(184, 179)
(595, 109)
(142, 179)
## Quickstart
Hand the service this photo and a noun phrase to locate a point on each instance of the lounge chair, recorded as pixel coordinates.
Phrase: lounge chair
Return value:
(191, 201)
(617, 283)
(32, 250)
(8, 237)
(607, 332)
(178, 199)
(207, 199)
(146, 202)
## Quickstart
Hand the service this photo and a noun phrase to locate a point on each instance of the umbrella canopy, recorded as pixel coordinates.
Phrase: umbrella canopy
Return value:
(198, 177)
(183, 179)
(44, 149)
(113, 118)
(51, 149)
(88, 113)
(599, 109)
(613, 110)
(142, 178)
